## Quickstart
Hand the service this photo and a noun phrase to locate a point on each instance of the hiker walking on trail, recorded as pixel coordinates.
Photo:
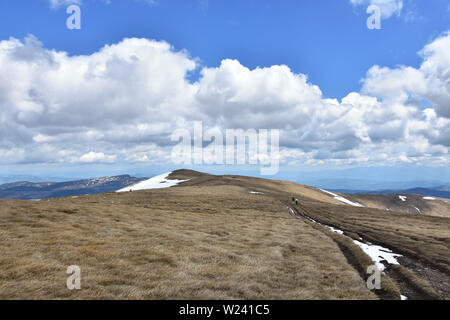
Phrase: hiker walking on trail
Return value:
(293, 200)
(296, 201)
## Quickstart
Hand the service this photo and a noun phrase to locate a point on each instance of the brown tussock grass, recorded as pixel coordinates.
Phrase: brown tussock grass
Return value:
(197, 242)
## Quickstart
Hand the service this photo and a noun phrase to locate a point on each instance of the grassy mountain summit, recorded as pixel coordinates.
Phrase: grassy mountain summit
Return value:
(216, 237)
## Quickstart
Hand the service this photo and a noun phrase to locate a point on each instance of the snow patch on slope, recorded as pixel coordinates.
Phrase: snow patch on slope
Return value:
(334, 229)
(378, 254)
(429, 198)
(158, 182)
(342, 199)
(403, 198)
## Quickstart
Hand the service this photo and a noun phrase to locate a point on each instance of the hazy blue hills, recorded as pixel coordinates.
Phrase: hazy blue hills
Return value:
(29, 190)
(40, 189)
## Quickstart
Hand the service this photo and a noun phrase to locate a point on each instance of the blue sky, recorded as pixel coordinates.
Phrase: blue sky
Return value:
(323, 39)
(372, 75)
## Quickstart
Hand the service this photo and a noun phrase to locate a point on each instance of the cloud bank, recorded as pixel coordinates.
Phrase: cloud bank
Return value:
(122, 103)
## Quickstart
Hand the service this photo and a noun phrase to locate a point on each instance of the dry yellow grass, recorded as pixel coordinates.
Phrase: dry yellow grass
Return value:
(293, 188)
(196, 242)
(423, 240)
(424, 237)
(439, 208)
(210, 238)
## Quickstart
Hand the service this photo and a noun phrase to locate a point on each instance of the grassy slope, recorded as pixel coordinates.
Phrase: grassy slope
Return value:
(211, 242)
(207, 239)
(422, 237)
(438, 207)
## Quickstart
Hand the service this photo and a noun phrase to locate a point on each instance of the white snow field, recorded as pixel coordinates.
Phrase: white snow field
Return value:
(158, 182)
(342, 199)
(403, 198)
(429, 198)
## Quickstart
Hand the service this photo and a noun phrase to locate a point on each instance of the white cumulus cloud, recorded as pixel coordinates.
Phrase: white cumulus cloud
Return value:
(96, 157)
(123, 102)
(405, 84)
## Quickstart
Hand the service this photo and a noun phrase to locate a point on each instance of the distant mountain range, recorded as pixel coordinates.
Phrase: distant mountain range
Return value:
(30, 191)
(440, 192)
(40, 190)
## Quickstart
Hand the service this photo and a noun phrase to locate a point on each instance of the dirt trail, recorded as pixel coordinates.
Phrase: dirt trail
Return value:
(434, 277)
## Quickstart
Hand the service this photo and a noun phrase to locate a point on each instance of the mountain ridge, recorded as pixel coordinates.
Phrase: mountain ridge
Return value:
(24, 190)
(236, 236)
